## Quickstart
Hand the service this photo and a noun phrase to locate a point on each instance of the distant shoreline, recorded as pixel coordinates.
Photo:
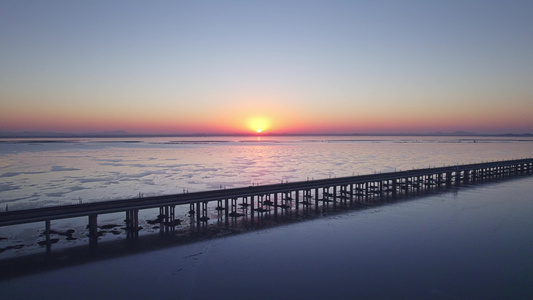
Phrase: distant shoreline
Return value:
(121, 134)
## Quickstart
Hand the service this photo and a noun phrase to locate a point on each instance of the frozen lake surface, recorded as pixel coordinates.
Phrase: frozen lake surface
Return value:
(51, 172)
(468, 242)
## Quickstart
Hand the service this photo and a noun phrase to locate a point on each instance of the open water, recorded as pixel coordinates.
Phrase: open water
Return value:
(471, 242)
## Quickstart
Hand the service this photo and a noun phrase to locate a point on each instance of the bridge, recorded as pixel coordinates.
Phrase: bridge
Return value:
(274, 198)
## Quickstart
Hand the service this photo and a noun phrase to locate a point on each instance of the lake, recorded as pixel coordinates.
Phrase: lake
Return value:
(35, 173)
(467, 242)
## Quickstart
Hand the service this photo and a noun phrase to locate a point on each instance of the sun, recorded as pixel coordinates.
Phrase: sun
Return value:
(258, 124)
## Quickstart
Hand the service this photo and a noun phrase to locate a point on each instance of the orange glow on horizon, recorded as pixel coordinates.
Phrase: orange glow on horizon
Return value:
(262, 120)
(258, 124)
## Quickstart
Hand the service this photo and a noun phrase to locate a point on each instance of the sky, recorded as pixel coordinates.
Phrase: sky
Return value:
(183, 67)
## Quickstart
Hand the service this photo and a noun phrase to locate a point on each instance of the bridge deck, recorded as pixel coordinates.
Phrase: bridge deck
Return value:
(95, 208)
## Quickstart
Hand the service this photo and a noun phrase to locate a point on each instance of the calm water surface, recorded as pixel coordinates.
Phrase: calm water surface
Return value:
(471, 243)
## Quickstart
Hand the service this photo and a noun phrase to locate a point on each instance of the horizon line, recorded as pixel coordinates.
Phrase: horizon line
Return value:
(121, 133)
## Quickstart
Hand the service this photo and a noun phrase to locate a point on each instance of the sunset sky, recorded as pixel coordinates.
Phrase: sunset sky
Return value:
(280, 66)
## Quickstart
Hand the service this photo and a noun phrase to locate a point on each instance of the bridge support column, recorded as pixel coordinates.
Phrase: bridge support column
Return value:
(334, 196)
(245, 204)
(164, 225)
(325, 196)
(297, 199)
(226, 210)
(132, 223)
(252, 207)
(47, 233)
(316, 200)
(167, 217)
(307, 198)
(198, 215)
(448, 179)
(135, 222)
(93, 229)
(219, 209)
(204, 217)
(275, 204)
(351, 194)
(233, 205)
(172, 215)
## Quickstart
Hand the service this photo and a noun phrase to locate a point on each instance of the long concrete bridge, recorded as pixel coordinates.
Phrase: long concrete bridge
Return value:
(256, 200)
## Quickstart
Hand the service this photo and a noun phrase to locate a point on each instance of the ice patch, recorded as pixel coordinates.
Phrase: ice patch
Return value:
(76, 188)
(57, 194)
(91, 180)
(4, 187)
(13, 174)
(62, 169)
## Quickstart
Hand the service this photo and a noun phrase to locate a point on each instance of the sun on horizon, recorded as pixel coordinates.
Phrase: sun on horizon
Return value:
(258, 124)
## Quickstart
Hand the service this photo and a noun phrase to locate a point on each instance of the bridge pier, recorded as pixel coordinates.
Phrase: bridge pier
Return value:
(198, 215)
(47, 234)
(351, 194)
(447, 179)
(219, 210)
(306, 198)
(233, 206)
(166, 223)
(204, 217)
(342, 195)
(405, 185)
(466, 176)
(334, 196)
(316, 200)
(93, 229)
(371, 187)
(275, 204)
(167, 218)
(260, 207)
(252, 207)
(226, 210)
(132, 223)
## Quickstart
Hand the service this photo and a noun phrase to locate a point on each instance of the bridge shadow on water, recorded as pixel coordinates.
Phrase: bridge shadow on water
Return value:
(73, 255)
